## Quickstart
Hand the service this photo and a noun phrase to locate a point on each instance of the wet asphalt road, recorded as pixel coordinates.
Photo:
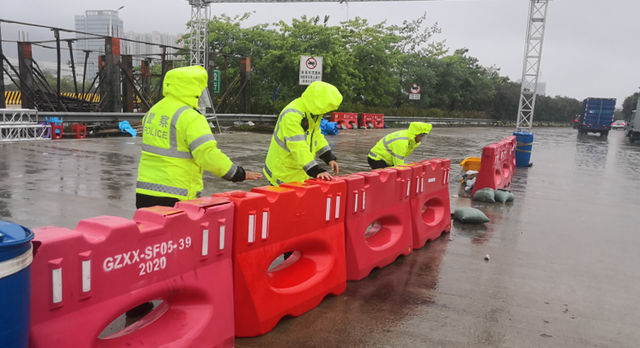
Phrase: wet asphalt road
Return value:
(564, 256)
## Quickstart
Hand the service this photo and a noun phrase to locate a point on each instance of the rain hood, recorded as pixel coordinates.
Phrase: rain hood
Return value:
(416, 128)
(320, 98)
(185, 84)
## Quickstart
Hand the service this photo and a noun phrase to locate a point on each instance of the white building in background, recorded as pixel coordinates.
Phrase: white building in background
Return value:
(141, 51)
(101, 22)
(107, 22)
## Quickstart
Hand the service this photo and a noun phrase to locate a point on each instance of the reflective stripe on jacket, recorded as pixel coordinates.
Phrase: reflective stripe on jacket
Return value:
(177, 143)
(395, 147)
(293, 150)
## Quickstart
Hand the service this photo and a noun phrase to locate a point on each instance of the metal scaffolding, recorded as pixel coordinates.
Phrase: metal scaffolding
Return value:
(198, 42)
(18, 116)
(22, 124)
(531, 65)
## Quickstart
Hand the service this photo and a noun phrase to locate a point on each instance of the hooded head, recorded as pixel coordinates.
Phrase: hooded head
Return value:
(185, 84)
(417, 128)
(321, 97)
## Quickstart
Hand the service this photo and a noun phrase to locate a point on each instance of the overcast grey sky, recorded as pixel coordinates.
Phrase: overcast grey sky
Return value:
(591, 47)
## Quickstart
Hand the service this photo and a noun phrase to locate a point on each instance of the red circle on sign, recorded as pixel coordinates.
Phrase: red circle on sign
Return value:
(415, 89)
(311, 63)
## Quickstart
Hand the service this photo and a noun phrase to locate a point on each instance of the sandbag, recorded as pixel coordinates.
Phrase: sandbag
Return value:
(470, 215)
(504, 196)
(486, 194)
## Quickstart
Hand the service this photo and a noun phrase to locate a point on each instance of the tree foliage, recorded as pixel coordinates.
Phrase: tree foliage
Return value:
(556, 109)
(373, 66)
(629, 104)
(66, 84)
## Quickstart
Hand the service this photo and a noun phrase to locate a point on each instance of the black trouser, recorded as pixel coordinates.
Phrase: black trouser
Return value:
(375, 164)
(145, 201)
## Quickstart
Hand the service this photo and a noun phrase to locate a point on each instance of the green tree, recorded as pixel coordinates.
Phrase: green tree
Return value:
(462, 84)
(306, 37)
(373, 66)
(556, 109)
(506, 100)
(373, 49)
(629, 104)
(418, 61)
(11, 87)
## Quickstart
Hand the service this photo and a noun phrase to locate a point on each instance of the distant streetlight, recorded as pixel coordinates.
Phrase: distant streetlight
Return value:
(111, 17)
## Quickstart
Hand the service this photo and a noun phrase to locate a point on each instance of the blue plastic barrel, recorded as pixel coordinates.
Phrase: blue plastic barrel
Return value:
(15, 284)
(523, 148)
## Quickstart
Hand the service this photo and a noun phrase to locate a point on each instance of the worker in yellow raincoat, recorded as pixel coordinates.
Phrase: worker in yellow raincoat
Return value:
(297, 140)
(395, 147)
(177, 146)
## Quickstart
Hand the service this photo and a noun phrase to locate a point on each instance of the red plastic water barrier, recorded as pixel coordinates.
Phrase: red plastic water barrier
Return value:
(345, 120)
(54, 129)
(430, 206)
(367, 121)
(83, 279)
(305, 218)
(497, 165)
(378, 121)
(510, 156)
(377, 220)
(80, 130)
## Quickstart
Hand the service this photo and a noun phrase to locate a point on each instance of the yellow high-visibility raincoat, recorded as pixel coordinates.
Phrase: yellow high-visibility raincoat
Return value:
(297, 139)
(395, 147)
(177, 143)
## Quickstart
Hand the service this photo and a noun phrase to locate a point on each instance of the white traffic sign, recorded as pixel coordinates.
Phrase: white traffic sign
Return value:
(414, 96)
(310, 69)
(415, 89)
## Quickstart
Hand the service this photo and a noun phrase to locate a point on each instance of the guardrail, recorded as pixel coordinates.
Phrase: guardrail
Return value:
(438, 120)
(135, 116)
(125, 116)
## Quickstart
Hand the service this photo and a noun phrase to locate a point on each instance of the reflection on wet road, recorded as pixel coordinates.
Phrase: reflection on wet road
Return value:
(564, 256)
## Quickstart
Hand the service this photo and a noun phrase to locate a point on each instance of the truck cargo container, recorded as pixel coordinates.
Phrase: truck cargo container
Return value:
(632, 129)
(596, 116)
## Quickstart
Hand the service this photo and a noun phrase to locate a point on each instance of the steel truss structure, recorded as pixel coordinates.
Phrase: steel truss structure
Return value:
(24, 132)
(21, 125)
(531, 65)
(198, 39)
(199, 46)
(15, 116)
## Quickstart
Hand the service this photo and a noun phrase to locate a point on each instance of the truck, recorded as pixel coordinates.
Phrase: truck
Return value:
(632, 129)
(596, 116)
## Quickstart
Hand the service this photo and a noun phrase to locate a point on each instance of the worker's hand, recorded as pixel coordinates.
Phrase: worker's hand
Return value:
(335, 167)
(325, 176)
(252, 175)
